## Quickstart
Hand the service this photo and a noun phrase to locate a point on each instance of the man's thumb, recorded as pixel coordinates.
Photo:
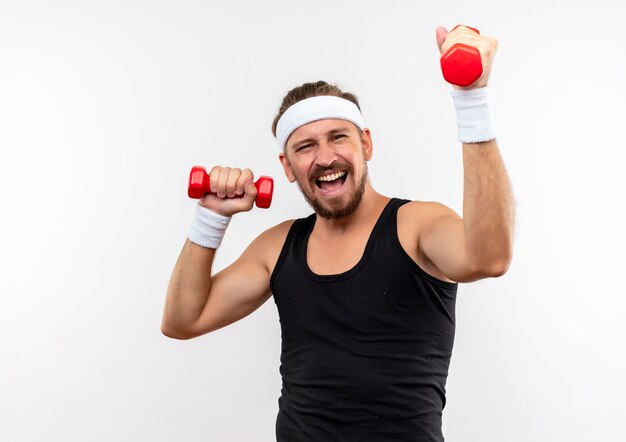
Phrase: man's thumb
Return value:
(250, 188)
(441, 34)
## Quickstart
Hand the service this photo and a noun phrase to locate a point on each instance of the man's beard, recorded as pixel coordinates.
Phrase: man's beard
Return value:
(337, 209)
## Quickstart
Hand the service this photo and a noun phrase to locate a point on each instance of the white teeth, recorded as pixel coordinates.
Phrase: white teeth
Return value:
(332, 177)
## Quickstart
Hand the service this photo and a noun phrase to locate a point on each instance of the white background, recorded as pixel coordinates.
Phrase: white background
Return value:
(105, 106)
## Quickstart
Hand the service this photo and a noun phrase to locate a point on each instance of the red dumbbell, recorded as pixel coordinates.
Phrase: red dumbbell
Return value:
(200, 184)
(461, 64)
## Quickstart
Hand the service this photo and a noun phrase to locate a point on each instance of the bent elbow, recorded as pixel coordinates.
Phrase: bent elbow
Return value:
(176, 333)
(497, 268)
(491, 267)
(496, 272)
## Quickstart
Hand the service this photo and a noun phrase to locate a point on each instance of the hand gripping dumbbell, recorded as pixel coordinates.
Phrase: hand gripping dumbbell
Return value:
(461, 64)
(200, 184)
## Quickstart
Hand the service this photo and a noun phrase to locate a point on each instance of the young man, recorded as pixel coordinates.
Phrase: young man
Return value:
(366, 286)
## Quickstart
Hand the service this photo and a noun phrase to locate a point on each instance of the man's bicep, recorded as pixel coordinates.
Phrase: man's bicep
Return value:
(243, 286)
(442, 240)
(235, 292)
(239, 289)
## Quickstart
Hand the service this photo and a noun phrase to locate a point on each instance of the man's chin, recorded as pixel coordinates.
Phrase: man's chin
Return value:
(332, 212)
(336, 207)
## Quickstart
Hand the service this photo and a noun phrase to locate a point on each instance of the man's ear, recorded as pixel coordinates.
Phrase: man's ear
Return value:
(286, 167)
(368, 145)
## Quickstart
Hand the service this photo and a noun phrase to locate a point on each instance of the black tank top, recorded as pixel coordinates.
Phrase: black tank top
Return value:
(365, 353)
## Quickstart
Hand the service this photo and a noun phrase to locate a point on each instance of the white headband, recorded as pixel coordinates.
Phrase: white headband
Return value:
(313, 109)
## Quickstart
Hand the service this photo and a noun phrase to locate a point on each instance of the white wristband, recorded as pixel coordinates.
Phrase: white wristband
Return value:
(473, 116)
(208, 228)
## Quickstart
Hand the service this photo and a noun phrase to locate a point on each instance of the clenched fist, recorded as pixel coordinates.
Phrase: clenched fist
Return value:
(226, 185)
(487, 47)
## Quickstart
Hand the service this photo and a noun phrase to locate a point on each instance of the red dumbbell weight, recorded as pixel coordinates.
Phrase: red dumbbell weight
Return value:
(461, 64)
(200, 184)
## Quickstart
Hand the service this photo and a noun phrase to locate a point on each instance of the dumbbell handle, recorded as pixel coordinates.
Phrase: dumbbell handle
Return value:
(461, 64)
(200, 184)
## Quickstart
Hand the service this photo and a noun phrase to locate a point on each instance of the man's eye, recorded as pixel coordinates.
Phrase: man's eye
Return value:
(338, 136)
(304, 146)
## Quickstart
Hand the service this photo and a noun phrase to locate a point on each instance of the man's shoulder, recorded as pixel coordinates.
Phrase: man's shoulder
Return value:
(417, 217)
(424, 211)
(280, 230)
(271, 241)
(266, 247)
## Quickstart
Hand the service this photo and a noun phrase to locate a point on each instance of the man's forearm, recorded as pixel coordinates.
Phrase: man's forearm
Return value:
(188, 290)
(488, 208)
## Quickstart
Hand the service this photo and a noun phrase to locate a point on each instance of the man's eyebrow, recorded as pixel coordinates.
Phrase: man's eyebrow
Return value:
(328, 133)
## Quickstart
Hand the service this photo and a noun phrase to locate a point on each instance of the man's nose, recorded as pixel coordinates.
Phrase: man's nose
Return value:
(326, 155)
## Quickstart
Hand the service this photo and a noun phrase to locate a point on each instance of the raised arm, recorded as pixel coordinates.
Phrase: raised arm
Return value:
(480, 244)
(199, 302)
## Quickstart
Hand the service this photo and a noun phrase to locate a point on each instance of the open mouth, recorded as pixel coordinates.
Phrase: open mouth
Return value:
(331, 182)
